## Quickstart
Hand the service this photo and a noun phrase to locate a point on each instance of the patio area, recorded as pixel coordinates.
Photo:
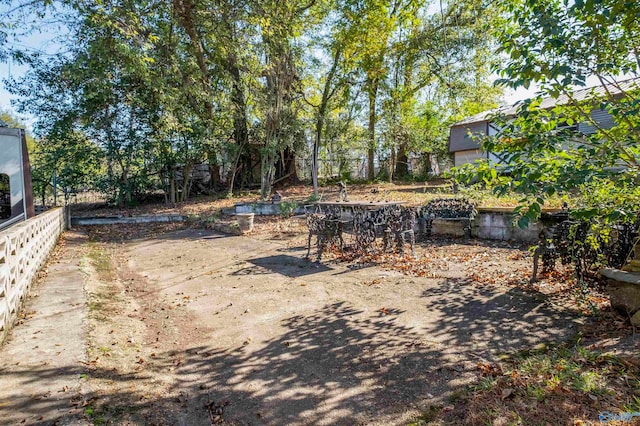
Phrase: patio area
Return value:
(211, 326)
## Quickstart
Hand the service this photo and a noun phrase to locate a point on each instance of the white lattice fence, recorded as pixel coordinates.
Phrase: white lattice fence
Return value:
(24, 248)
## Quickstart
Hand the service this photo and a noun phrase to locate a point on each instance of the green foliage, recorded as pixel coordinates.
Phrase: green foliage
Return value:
(575, 378)
(543, 157)
(287, 208)
(159, 88)
(68, 163)
(312, 198)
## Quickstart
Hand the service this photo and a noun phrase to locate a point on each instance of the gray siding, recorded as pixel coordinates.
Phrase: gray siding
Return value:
(603, 118)
(459, 139)
(470, 156)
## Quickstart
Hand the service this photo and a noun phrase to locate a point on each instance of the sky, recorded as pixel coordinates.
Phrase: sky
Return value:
(511, 96)
(8, 70)
(42, 40)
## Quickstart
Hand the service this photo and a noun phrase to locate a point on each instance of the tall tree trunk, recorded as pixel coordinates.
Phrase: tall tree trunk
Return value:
(240, 130)
(172, 185)
(215, 181)
(267, 175)
(186, 182)
(233, 173)
(392, 162)
(125, 192)
(286, 170)
(426, 163)
(316, 149)
(185, 11)
(214, 169)
(406, 95)
(371, 151)
(402, 161)
(327, 93)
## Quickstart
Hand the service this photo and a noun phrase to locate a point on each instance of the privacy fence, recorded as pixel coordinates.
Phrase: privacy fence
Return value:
(24, 248)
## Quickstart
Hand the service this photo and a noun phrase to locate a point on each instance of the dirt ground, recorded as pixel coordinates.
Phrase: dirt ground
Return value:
(195, 327)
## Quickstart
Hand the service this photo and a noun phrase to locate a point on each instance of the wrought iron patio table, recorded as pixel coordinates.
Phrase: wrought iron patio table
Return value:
(365, 220)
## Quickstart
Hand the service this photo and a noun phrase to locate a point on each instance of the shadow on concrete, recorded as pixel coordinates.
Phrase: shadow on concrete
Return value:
(336, 365)
(490, 322)
(447, 240)
(289, 266)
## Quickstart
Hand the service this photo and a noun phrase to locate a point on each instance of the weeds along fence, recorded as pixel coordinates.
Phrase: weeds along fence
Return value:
(24, 248)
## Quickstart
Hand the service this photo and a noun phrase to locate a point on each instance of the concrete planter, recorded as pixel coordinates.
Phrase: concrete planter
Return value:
(624, 291)
(245, 221)
(497, 224)
(624, 286)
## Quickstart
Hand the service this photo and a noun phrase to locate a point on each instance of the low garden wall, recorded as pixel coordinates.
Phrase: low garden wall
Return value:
(497, 224)
(262, 208)
(24, 248)
(491, 224)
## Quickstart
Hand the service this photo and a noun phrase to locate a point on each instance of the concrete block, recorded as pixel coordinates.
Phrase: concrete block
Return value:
(484, 220)
(24, 248)
(624, 296)
(447, 227)
(4, 282)
(621, 276)
(499, 220)
(4, 250)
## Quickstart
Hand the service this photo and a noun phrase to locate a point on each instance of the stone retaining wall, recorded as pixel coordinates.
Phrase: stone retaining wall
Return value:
(24, 248)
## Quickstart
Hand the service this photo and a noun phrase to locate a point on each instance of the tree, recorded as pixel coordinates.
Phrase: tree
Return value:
(562, 47)
(374, 23)
(69, 164)
(439, 72)
(329, 90)
(162, 87)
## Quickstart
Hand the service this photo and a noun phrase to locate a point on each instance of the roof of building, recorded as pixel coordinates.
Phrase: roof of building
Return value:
(549, 102)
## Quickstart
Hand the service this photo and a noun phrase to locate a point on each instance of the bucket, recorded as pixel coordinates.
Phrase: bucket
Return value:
(245, 221)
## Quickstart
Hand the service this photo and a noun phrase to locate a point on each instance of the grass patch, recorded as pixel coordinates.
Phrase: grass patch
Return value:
(103, 297)
(427, 417)
(550, 385)
(112, 414)
(92, 414)
(101, 262)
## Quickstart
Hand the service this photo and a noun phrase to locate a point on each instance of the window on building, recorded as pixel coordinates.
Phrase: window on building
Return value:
(5, 197)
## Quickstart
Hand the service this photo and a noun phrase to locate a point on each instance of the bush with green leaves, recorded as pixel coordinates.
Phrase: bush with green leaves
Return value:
(558, 47)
